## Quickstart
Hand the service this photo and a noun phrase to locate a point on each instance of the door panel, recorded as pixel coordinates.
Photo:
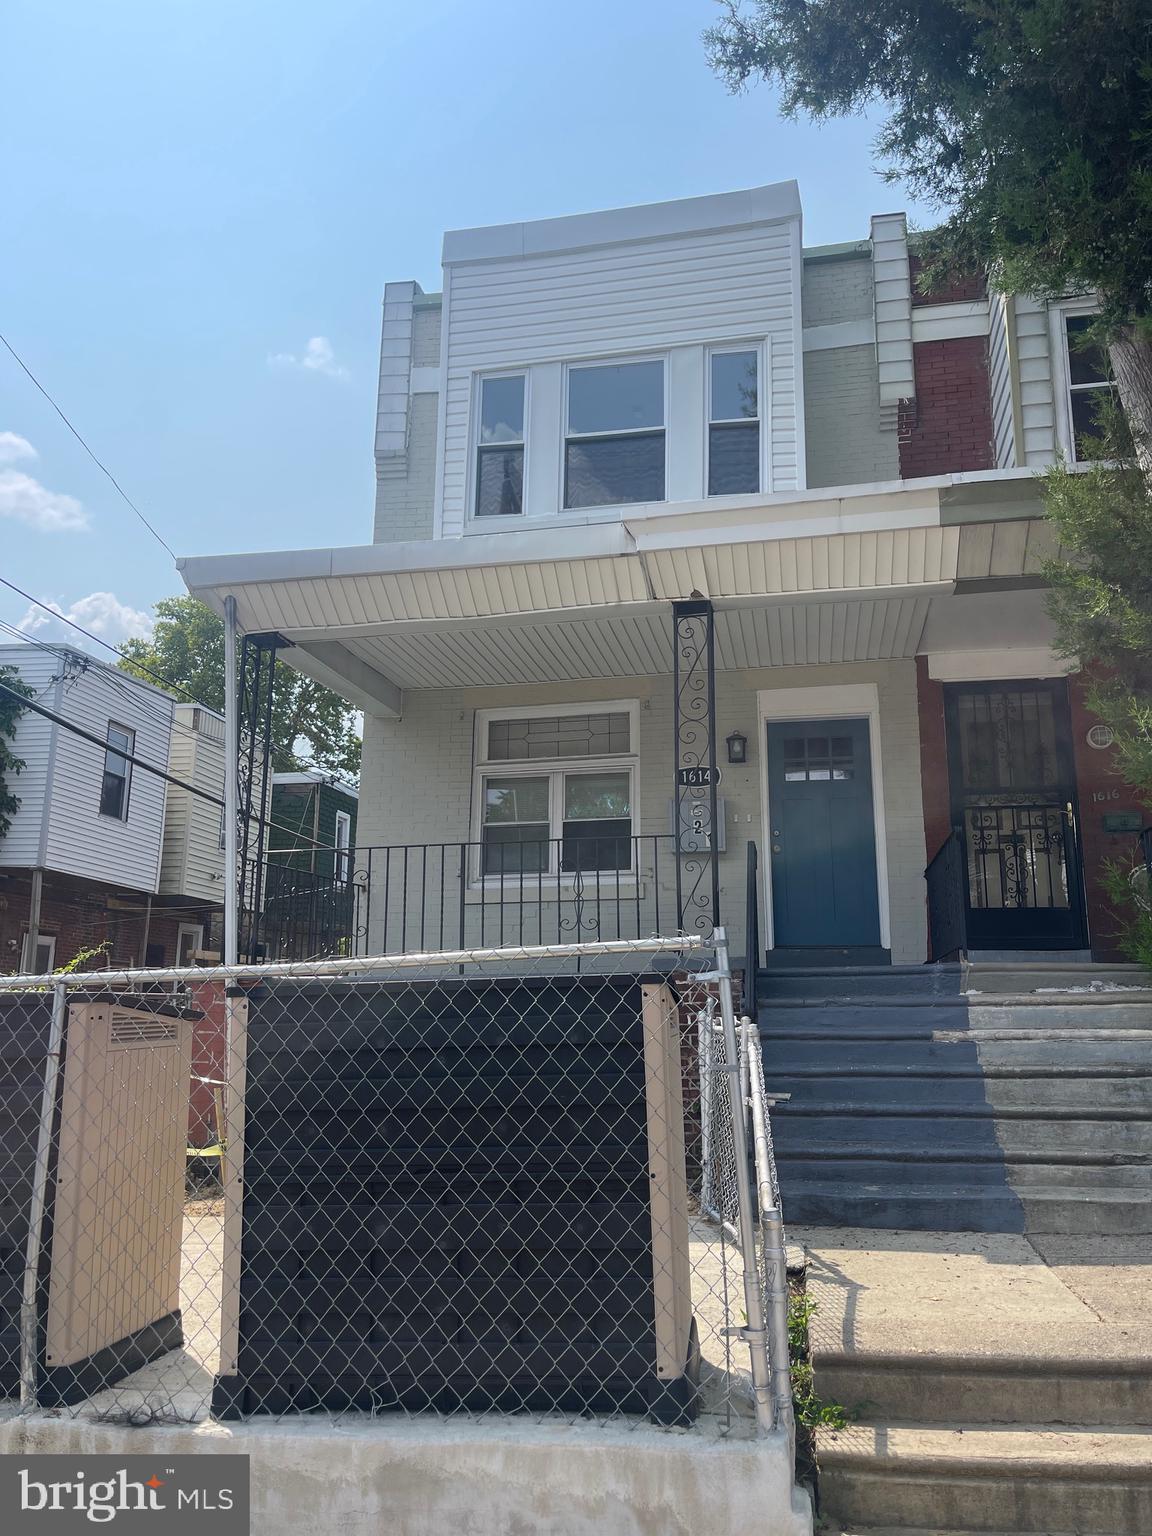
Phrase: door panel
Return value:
(1014, 801)
(822, 841)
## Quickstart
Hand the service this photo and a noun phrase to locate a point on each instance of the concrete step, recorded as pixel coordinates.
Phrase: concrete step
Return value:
(895, 1017)
(874, 981)
(1035, 973)
(1038, 1478)
(966, 1207)
(987, 1389)
(1119, 1092)
(917, 1130)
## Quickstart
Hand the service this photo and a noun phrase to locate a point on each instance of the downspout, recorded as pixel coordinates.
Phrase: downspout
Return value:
(231, 787)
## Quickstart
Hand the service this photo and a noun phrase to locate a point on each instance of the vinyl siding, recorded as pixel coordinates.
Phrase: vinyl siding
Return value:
(193, 863)
(1000, 381)
(1037, 401)
(670, 294)
(20, 848)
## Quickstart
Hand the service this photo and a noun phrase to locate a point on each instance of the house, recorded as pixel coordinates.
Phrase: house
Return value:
(659, 477)
(311, 889)
(102, 855)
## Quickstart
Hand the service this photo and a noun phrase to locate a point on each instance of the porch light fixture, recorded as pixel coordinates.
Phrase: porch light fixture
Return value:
(737, 745)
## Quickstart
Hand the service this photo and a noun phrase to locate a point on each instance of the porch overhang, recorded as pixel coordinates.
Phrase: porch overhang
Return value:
(829, 575)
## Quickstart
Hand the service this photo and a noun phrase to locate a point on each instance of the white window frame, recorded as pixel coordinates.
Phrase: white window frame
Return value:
(197, 929)
(28, 962)
(127, 754)
(524, 372)
(342, 860)
(554, 769)
(759, 346)
(1062, 385)
(664, 359)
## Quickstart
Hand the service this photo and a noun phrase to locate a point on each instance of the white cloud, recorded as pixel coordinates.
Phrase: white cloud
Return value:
(14, 447)
(317, 357)
(101, 612)
(27, 501)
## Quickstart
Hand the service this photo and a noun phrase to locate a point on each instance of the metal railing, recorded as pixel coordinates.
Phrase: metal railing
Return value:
(450, 1181)
(752, 918)
(422, 896)
(947, 899)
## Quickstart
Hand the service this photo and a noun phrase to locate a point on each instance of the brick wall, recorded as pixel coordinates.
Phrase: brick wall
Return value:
(956, 291)
(844, 439)
(948, 427)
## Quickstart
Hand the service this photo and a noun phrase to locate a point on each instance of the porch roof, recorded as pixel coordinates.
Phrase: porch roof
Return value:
(821, 576)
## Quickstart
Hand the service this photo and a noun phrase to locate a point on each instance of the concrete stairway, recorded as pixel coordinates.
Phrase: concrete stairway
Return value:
(1001, 1384)
(953, 1098)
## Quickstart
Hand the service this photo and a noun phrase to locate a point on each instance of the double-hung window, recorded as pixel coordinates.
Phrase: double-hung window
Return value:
(556, 790)
(733, 423)
(117, 780)
(614, 443)
(500, 446)
(1090, 385)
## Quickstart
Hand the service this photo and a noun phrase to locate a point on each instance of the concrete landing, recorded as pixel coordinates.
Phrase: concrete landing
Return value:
(1000, 1382)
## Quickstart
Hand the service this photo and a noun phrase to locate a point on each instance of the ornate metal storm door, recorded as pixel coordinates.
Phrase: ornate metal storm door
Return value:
(697, 773)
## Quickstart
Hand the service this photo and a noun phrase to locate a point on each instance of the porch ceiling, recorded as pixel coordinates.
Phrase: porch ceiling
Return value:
(593, 602)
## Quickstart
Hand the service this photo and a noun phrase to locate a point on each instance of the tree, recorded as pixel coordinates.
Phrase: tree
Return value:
(10, 764)
(187, 651)
(1028, 121)
(1101, 596)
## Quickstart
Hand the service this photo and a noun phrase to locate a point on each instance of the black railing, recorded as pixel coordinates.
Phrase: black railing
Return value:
(418, 897)
(752, 919)
(947, 899)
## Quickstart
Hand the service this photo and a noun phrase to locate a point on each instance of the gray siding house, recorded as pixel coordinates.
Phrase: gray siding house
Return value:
(602, 416)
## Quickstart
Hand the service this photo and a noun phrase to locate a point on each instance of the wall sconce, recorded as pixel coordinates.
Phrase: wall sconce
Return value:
(737, 745)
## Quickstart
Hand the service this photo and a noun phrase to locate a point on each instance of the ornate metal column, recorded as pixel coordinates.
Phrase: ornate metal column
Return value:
(697, 772)
(254, 774)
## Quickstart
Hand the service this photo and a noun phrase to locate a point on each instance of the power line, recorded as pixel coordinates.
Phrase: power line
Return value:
(103, 467)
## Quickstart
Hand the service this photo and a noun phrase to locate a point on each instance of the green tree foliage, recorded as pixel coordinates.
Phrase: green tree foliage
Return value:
(10, 764)
(187, 651)
(1028, 121)
(1101, 595)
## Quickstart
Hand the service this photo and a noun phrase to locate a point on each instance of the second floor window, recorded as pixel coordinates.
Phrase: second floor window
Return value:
(1090, 385)
(117, 778)
(614, 446)
(500, 454)
(733, 424)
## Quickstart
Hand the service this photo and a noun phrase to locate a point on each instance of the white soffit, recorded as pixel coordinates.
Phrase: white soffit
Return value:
(998, 665)
(640, 645)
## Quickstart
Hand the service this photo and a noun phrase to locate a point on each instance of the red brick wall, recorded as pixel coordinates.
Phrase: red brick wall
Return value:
(1101, 792)
(209, 1040)
(957, 291)
(948, 427)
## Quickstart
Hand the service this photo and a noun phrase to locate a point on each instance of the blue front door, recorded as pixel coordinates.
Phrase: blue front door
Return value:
(822, 839)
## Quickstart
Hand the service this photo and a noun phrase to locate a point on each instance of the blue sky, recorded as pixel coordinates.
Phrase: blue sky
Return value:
(196, 190)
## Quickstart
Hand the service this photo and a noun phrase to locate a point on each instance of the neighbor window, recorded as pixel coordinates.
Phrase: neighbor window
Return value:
(734, 424)
(500, 448)
(614, 447)
(1090, 385)
(343, 861)
(556, 792)
(117, 772)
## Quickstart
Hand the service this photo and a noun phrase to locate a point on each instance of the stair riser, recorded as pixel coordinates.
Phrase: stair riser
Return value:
(1044, 1057)
(923, 1132)
(956, 1211)
(1018, 1177)
(1038, 1093)
(996, 1503)
(1087, 1014)
(935, 1395)
(779, 986)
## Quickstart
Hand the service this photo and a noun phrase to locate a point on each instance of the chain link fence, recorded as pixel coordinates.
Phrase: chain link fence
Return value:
(452, 1183)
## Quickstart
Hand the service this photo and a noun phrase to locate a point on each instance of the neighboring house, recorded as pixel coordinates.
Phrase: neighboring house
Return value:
(312, 823)
(89, 861)
(605, 415)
